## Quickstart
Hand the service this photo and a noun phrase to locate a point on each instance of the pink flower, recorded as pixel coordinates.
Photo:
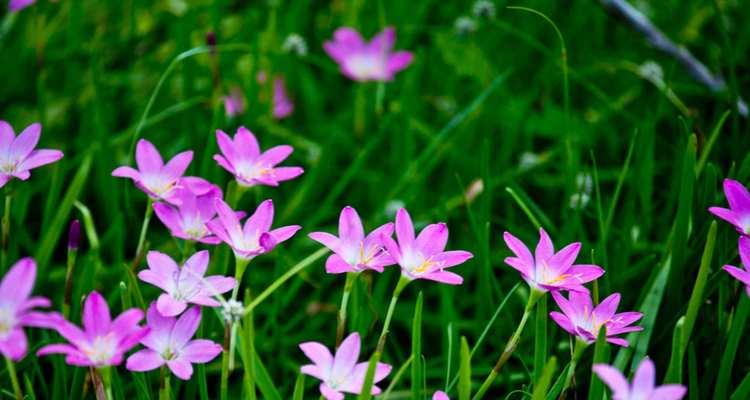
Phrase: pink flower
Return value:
(643, 387)
(102, 342)
(256, 237)
(234, 103)
(374, 61)
(340, 373)
(242, 157)
(424, 257)
(547, 270)
(183, 285)
(580, 318)
(156, 179)
(355, 252)
(17, 308)
(17, 5)
(282, 104)
(738, 213)
(169, 342)
(188, 220)
(742, 275)
(440, 395)
(17, 154)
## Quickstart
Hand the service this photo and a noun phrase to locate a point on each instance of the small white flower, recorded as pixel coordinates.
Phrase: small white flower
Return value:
(232, 311)
(465, 25)
(484, 9)
(295, 44)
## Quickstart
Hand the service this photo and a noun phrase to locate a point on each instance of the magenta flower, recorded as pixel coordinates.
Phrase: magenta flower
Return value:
(440, 395)
(17, 308)
(17, 154)
(643, 387)
(282, 104)
(256, 237)
(234, 103)
(580, 318)
(547, 270)
(738, 213)
(17, 5)
(424, 257)
(188, 219)
(102, 342)
(341, 373)
(169, 342)
(361, 61)
(355, 252)
(156, 179)
(742, 275)
(242, 157)
(183, 285)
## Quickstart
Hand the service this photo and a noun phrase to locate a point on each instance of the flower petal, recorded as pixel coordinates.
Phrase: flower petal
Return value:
(144, 360)
(147, 157)
(200, 351)
(96, 317)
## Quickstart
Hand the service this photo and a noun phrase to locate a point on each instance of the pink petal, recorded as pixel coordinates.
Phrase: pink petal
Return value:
(245, 144)
(37, 158)
(163, 282)
(346, 356)
(127, 172)
(383, 42)
(393, 249)
(216, 284)
(318, 354)
(614, 379)
(737, 196)
(275, 155)
(96, 318)
(197, 264)
(313, 371)
(606, 308)
(17, 283)
(544, 249)
(563, 321)
(725, 214)
(520, 250)
(669, 392)
(127, 321)
(432, 239)
(644, 379)
(226, 146)
(6, 136)
(200, 351)
(147, 157)
(25, 142)
(186, 326)
(169, 216)
(399, 61)
(168, 306)
(229, 221)
(261, 219)
(181, 368)
(618, 341)
(284, 233)
(144, 360)
(739, 274)
(444, 277)
(287, 173)
(350, 226)
(440, 395)
(17, 5)
(326, 239)
(404, 229)
(348, 36)
(329, 393)
(448, 259)
(564, 258)
(336, 265)
(374, 238)
(744, 250)
(14, 345)
(57, 349)
(177, 166)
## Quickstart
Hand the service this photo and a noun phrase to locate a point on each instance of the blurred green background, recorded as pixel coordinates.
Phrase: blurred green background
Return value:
(482, 110)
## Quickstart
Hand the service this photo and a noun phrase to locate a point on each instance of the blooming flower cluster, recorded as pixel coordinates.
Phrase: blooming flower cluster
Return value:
(738, 214)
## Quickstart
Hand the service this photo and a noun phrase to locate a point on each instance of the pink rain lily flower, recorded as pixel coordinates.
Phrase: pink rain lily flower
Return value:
(242, 157)
(440, 395)
(17, 154)
(361, 61)
(643, 387)
(169, 342)
(546, 270)
(340, 373)
(17, 5)
(424, 257)
(183, 285)
(17, 308)
(234, 103)
(156, 179)
(738, 213)
(103, 341)
(256, 237)
(580, 318)
(282, 104)
(742, 274)
(188, 219)
(353, 251)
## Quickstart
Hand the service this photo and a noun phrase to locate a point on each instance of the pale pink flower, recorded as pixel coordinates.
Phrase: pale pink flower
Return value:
(424, 257)
(738, 213)
(742, 274)
(188, 219)
(282, 104)
(242, 157)
(643, 386)
(17, 154)
(440, 395)
(353, 251)
(341, 373)
(234, 102)
(170, 341)
(362, 61)
(17, 5)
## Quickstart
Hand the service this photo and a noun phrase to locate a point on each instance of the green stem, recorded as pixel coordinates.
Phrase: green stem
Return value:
(350, 278)
(574, 358)
(5, 232)
(165, 390)
(366, 394)
(240, 265)
(144, 229)
(249, 331)
(510, 346)
(14, 378)
(106, 376)
(187, 250)
(359, 110)
(224, 386)
(67, 297)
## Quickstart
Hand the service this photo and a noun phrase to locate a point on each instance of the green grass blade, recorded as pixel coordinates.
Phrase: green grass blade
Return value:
(264, 381)
(299, 388)
(464, 372)
(710, 143)
(743, 390)
(397, 378)
(540, 339)
(417, 378)
(601, 356)
(674, 372)
(735, 334)
(545, 378)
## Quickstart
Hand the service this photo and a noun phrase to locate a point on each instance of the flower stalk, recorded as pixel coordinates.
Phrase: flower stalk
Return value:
(164, 385)
(144, 229)
(511, 345)
(11, 367)
(5, 232)
(351, 277)
(74, 237)
(578, 350)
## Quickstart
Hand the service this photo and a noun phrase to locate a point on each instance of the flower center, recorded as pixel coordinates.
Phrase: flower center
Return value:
(365, 66)
(7, 321)
(8, 167)
(102, 349)
(249, 172)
